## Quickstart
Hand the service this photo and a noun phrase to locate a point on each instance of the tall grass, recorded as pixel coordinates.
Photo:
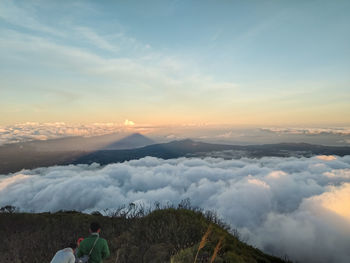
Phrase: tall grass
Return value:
(203, 241)
(216, 250)
(117, 258)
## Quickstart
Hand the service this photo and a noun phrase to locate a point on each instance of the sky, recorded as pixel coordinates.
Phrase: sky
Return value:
(278, 71)
(254, 63)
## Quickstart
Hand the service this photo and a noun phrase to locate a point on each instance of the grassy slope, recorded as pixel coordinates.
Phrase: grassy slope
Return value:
(157, 237)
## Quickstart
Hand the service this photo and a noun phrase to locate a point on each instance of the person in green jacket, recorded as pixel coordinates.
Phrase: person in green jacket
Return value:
(100, 251)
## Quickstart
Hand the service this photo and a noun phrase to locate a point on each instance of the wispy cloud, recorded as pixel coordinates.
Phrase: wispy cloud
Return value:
(166, 78)
(25, 18)
(97, 40)
(146, 70)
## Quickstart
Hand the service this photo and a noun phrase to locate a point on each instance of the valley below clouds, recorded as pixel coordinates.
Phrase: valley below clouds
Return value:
(299, 207)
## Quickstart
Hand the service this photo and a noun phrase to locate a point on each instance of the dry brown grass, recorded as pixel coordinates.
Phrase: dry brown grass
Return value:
(203, 241)
(216, 250)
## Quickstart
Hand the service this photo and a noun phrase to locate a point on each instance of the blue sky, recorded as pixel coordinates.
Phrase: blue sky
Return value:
(171, 62)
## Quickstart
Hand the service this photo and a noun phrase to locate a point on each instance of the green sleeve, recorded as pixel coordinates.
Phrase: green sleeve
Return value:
(81, 249)
(105, 250)
(79, 254)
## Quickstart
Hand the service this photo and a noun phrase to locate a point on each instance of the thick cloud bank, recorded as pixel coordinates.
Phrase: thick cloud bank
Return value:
(299, 207)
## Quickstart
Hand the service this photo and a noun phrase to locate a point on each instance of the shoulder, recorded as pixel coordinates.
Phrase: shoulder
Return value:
(59, 252)
(86, 240)
(102, 241)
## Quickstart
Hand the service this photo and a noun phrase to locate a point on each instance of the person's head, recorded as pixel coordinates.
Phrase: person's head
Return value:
(72, 245)
(95, 227)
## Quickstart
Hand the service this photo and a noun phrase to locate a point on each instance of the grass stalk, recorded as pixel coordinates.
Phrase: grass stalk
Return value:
(216, 250)
(203, 241)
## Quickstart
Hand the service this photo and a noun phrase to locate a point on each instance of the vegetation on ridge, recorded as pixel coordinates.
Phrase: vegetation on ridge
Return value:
(171, 234)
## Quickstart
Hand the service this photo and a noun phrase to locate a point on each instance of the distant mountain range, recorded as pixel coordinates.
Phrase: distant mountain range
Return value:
(33, 154)
(104, 150)
(190, 148)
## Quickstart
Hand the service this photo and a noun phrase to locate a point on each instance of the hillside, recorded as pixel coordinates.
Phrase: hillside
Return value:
(164, 235)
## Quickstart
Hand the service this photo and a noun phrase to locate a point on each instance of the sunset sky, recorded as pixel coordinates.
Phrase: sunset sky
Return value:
(173, 62)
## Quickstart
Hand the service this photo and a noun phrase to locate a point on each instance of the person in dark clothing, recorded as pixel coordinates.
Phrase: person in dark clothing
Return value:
(94, 246)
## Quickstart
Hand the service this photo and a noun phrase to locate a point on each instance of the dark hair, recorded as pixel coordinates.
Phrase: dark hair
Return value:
(72, 245)
(94, 226)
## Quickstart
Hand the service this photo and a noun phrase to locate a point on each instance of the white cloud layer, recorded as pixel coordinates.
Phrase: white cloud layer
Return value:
(29, 131)
(310, 131)
(299, 207)
(22, 132)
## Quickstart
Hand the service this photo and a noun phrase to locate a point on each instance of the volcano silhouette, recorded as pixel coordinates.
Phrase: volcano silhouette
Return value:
(135, 140)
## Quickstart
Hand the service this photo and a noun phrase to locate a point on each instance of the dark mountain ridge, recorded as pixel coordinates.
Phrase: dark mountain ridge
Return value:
(14, 157)
(33, 154)
(190, 148)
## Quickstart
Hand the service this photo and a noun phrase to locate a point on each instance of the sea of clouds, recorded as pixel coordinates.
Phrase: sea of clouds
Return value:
(31, 131)
(298, 207)
(310, 131)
